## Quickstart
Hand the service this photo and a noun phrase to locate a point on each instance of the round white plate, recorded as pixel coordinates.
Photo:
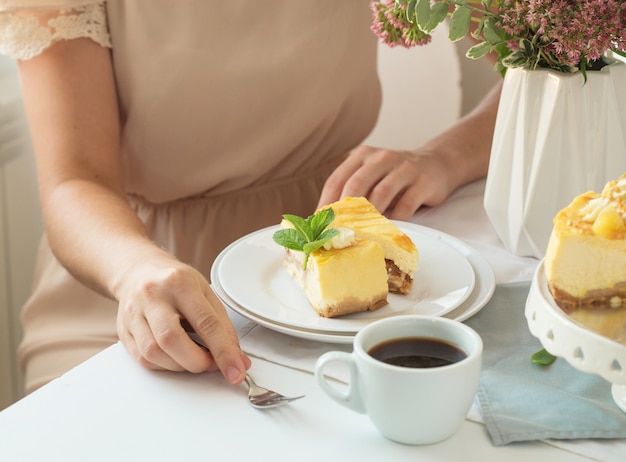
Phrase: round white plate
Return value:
(252, 274)
(485, 282)
(447, 257)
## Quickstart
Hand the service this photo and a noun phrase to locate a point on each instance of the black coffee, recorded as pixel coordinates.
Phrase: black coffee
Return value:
(417, 352)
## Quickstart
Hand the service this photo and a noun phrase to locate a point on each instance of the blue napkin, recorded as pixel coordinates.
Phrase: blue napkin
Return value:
(522, 401)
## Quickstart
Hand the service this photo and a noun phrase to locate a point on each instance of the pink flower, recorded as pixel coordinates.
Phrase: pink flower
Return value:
(567, 31)
(561, 34)
(390, 24)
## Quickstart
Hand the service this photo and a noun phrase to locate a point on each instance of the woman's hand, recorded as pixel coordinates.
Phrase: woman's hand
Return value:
(396, 182)
(400, 182)
(160, 298)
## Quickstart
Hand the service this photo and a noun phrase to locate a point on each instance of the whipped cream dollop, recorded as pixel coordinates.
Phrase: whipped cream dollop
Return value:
(345, 238)
(613, 196)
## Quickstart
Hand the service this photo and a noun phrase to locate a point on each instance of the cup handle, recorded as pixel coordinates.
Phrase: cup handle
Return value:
(351, 398)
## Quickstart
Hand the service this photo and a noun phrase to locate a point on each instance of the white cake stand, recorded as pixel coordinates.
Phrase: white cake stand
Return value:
(583, 349)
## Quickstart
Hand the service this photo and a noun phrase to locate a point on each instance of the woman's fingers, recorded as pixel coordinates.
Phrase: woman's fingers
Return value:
(397, 183)
(149, 324)
(215, 329)
(156, 342)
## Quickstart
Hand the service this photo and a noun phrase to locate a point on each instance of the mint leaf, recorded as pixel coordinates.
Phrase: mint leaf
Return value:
(307, 235)
(320, 221)
(543, 358)
(327, 235)
(312, 247)
(303, 226)
(289, 238)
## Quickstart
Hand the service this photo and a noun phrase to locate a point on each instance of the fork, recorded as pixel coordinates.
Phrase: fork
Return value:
(259, 397)
(262, 398)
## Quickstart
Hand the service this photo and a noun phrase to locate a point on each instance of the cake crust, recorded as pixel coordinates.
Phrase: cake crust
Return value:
(350, 305)
(597, 299)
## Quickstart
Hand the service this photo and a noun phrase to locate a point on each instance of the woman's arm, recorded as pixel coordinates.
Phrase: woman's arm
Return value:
(399, 182)
(71, 104)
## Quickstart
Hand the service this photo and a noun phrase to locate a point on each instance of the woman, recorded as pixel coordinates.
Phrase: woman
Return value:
(165, 130)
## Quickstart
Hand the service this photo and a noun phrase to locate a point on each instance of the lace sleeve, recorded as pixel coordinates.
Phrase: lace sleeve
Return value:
(25, 34)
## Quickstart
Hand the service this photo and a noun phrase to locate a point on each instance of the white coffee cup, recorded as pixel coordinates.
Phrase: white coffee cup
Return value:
(406, 404)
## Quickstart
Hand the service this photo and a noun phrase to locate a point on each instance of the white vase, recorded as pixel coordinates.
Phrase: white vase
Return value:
(556, 136)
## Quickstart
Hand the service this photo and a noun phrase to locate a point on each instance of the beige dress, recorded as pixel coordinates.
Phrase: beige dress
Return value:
(233, 112)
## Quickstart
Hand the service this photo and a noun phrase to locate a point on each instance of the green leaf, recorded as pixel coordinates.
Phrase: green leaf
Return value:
(307, 235)
(479, 50)
(503, 49)
(301, 225)
(542, 358)
(323, 238)
(516, 59)
(493, 33)
(459, 23)
(422, 13)
(320, 221)
(478, 31)
(527, 46)
(410, 10)
(328, 234)
(313, 246)
(289, 238)
(438, 13)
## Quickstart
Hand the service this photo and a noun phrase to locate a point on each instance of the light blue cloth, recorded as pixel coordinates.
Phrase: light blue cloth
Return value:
(522, 401)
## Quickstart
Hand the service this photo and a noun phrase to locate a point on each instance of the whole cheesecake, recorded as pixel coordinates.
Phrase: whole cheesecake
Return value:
(585, 262)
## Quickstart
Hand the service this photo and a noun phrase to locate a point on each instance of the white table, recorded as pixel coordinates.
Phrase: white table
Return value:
(109, 408)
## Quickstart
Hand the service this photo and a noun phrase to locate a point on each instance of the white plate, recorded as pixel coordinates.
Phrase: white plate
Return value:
(438, 252)
(485, 282)
(252, 275)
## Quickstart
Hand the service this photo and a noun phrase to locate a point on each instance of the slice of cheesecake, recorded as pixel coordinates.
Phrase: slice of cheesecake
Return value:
(347, 257)
(401, 255)
(342, 281)
(585, 262)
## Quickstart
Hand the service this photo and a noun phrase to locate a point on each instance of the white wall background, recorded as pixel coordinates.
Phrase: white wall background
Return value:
(421, 92)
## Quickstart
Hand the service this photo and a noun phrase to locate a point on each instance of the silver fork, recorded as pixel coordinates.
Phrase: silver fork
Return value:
(259, 397)
(262, 398)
